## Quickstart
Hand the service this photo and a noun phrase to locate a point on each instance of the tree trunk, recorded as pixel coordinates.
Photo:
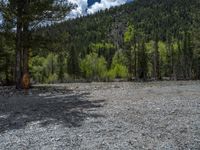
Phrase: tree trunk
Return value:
(135, 64)
(171, 62)
(26, 48)
(156, 60)
(7, 70)
(18, 48)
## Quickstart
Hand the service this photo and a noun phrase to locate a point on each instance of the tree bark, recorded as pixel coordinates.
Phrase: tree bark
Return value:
(26, 38)
(7, 70)
(26, 48)
(156, 60)
(18, 47)
(135, 64)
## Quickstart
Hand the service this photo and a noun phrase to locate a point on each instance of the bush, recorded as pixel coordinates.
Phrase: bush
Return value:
(111, 75)
(52, 78)
(119, 58)
(45, 69)
(94, 67)
(37, 69)
(119, 71)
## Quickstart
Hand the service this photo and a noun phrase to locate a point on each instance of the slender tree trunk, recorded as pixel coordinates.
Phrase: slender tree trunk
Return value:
(52, 65)
(170, 57)
(172, 76)
(135, 64)
(179, 70)
(129, 57)
(156, 60)
(7, 70)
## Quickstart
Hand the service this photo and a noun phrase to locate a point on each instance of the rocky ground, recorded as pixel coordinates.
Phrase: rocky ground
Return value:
(153, 115)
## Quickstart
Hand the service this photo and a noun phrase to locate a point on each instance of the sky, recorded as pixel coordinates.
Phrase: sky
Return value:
(85, 7)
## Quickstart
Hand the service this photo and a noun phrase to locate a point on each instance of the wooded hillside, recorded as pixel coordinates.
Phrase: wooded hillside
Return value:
(145, 39)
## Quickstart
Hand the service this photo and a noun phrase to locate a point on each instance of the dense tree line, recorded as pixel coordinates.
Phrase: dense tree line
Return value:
(145, 39)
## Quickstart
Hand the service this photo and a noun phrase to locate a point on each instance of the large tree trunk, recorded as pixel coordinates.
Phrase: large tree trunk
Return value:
(26, 48)
(18, 47)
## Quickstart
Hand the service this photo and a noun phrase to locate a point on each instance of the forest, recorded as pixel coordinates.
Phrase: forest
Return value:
(142, 40)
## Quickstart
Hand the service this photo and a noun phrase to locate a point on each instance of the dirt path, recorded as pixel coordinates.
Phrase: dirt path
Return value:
(155, 115)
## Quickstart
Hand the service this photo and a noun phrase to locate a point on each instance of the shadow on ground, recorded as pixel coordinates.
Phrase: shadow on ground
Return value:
(69, 109)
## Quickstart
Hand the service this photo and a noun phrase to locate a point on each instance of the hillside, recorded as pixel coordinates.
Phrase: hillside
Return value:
(144, 39)
(168, 16)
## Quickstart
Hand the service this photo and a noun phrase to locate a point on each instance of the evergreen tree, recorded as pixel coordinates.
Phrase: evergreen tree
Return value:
(73, 62)
(26, 15)
(142, 61)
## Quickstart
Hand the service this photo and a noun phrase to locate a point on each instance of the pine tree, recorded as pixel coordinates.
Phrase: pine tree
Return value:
(61, 67)
(142, 61)
(27, 15)
(73, 62)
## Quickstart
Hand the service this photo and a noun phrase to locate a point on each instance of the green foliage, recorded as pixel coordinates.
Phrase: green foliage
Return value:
(93, 67)
(61, 65)
(52, 78)
(25, 16)
(111, 75)
(129, 34)
(107, 50)
(37, 69)
(149, 50)
(6, 57)
(119, 58)
(163, 51)
(50, 64)
(148, 38)
(118, 71)
(47, 70)
(150, 47)
(163, 57)
(142, 61)
(73, 62)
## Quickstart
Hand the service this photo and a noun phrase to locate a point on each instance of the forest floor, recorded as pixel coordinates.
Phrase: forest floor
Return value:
(152, 115)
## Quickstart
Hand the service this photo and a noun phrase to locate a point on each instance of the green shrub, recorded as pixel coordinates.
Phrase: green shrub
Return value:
(94, 67)
(119, 71)
(52, 78)
(119, 58)
(37, 68)
(111, 75)
(45, 70)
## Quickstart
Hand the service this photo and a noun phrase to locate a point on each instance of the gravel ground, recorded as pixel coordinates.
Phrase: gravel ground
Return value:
(155, 115)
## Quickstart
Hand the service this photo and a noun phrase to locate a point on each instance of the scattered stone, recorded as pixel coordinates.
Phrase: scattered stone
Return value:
(153, 115)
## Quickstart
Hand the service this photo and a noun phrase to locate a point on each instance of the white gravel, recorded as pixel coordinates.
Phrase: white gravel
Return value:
(154, 115)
